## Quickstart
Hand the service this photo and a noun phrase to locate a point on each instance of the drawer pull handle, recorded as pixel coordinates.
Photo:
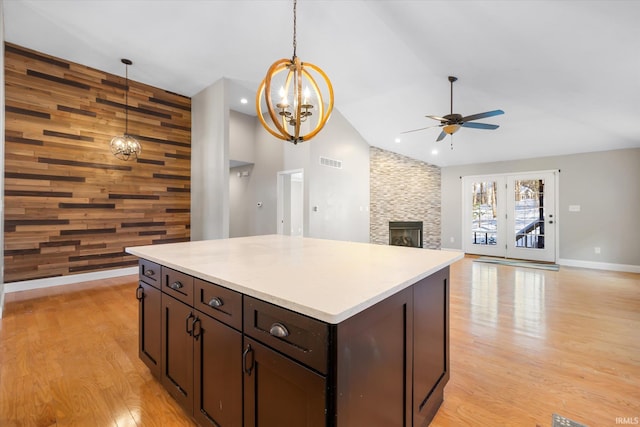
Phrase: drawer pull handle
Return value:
(279, 330)
(216, 302)
(149, 273)
(176, 285)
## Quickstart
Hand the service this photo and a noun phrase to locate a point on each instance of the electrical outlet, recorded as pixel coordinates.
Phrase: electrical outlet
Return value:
(597, 250)
(452, 239)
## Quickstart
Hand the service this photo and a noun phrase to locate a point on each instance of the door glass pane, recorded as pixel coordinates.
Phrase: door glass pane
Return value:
(484, 204)
(529, 213)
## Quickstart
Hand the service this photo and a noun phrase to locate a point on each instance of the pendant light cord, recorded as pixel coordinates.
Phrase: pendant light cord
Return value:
(126, 100)
(295, 45)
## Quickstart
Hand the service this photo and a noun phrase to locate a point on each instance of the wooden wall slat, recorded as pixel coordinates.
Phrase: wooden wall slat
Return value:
(71, 206)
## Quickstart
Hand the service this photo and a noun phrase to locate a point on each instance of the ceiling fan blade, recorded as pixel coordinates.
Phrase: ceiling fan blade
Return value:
(479, 125)
(441, 136)
(417, 130)
(441, 119)
(482, 115)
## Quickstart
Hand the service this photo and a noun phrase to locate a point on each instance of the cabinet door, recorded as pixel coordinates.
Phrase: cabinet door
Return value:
(279, 391)
(177, 350)
(218, 373)
(149, 331)
(431, 344)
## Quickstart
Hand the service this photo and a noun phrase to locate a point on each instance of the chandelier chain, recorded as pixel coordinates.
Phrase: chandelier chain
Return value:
(126, 100)
(295, 2)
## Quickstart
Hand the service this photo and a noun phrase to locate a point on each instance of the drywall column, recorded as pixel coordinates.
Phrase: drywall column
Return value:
(1, 156)
(210, 163)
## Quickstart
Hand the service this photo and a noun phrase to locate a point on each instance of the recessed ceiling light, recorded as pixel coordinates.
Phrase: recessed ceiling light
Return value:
(244, 101)
(397, 140)
(434, 151)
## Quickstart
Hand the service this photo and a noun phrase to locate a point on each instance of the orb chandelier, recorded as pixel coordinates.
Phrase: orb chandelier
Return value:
(302, 83)
(126, 147)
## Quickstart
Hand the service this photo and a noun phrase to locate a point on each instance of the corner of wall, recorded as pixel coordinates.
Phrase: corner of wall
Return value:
(2, 156)
(404, 189)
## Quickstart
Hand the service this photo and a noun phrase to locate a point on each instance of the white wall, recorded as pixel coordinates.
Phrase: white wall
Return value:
(242, 137)
(240, 197)
(341, 195)
(210, 163)
(1, 155)
(606, 185)
(297, 206)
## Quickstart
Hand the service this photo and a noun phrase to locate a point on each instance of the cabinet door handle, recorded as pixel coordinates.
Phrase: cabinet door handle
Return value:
(196, 327)
(189, 331)
(216, 302)
(245, 353)
(279, 330)
(149, 273)
(176, 285)
(139, 293)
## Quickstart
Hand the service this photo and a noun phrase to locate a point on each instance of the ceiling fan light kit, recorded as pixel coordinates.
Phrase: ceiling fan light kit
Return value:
(452, 122)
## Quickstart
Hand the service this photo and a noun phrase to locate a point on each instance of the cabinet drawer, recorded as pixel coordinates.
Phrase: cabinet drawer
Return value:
(149, 272)
(178, 285)
(218, 302)
(298, 336)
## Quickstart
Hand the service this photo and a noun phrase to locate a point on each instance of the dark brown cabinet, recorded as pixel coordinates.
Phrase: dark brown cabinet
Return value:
(430, 344)
(177, 350)
(201, 351)
(149, 314)
(233, 360)
(217, 349)
(279, 391)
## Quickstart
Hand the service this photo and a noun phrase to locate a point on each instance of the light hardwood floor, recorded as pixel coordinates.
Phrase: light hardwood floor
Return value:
(525, 344)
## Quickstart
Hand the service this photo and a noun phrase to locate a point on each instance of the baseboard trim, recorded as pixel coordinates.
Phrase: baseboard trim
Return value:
(451, 249)
(27, 285)
(627, 268)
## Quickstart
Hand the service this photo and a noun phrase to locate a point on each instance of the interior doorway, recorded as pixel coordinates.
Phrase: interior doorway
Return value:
(511, 215)
(290, 202)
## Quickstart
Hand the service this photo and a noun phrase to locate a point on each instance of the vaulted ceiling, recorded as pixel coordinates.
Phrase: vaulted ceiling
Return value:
(564, 71)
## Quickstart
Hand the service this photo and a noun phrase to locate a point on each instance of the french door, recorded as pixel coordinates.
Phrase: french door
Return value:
(511, 216)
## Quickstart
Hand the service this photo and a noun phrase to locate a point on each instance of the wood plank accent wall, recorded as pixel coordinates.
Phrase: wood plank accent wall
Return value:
(70, 205)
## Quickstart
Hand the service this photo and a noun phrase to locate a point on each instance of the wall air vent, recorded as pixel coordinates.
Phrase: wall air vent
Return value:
(324, 161)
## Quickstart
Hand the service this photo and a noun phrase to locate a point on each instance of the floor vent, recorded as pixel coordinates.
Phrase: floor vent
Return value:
(324, 161)
(560, 421)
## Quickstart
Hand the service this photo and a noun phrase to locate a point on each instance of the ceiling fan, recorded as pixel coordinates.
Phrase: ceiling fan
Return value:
(451, 123)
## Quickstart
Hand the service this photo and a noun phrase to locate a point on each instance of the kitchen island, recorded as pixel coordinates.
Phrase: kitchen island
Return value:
(278, 330)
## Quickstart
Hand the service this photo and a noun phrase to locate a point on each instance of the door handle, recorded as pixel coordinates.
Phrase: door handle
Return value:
(139, 293)
(196, 327)
(245, 353)
(189, 331)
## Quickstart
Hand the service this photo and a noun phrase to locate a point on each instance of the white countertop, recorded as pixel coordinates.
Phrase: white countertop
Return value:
(325, 279)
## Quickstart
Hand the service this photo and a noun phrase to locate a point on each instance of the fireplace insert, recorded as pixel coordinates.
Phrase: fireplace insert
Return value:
(405, 233)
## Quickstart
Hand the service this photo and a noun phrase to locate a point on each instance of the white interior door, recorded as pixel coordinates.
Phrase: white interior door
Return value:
(290, 202)
(511, 215)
